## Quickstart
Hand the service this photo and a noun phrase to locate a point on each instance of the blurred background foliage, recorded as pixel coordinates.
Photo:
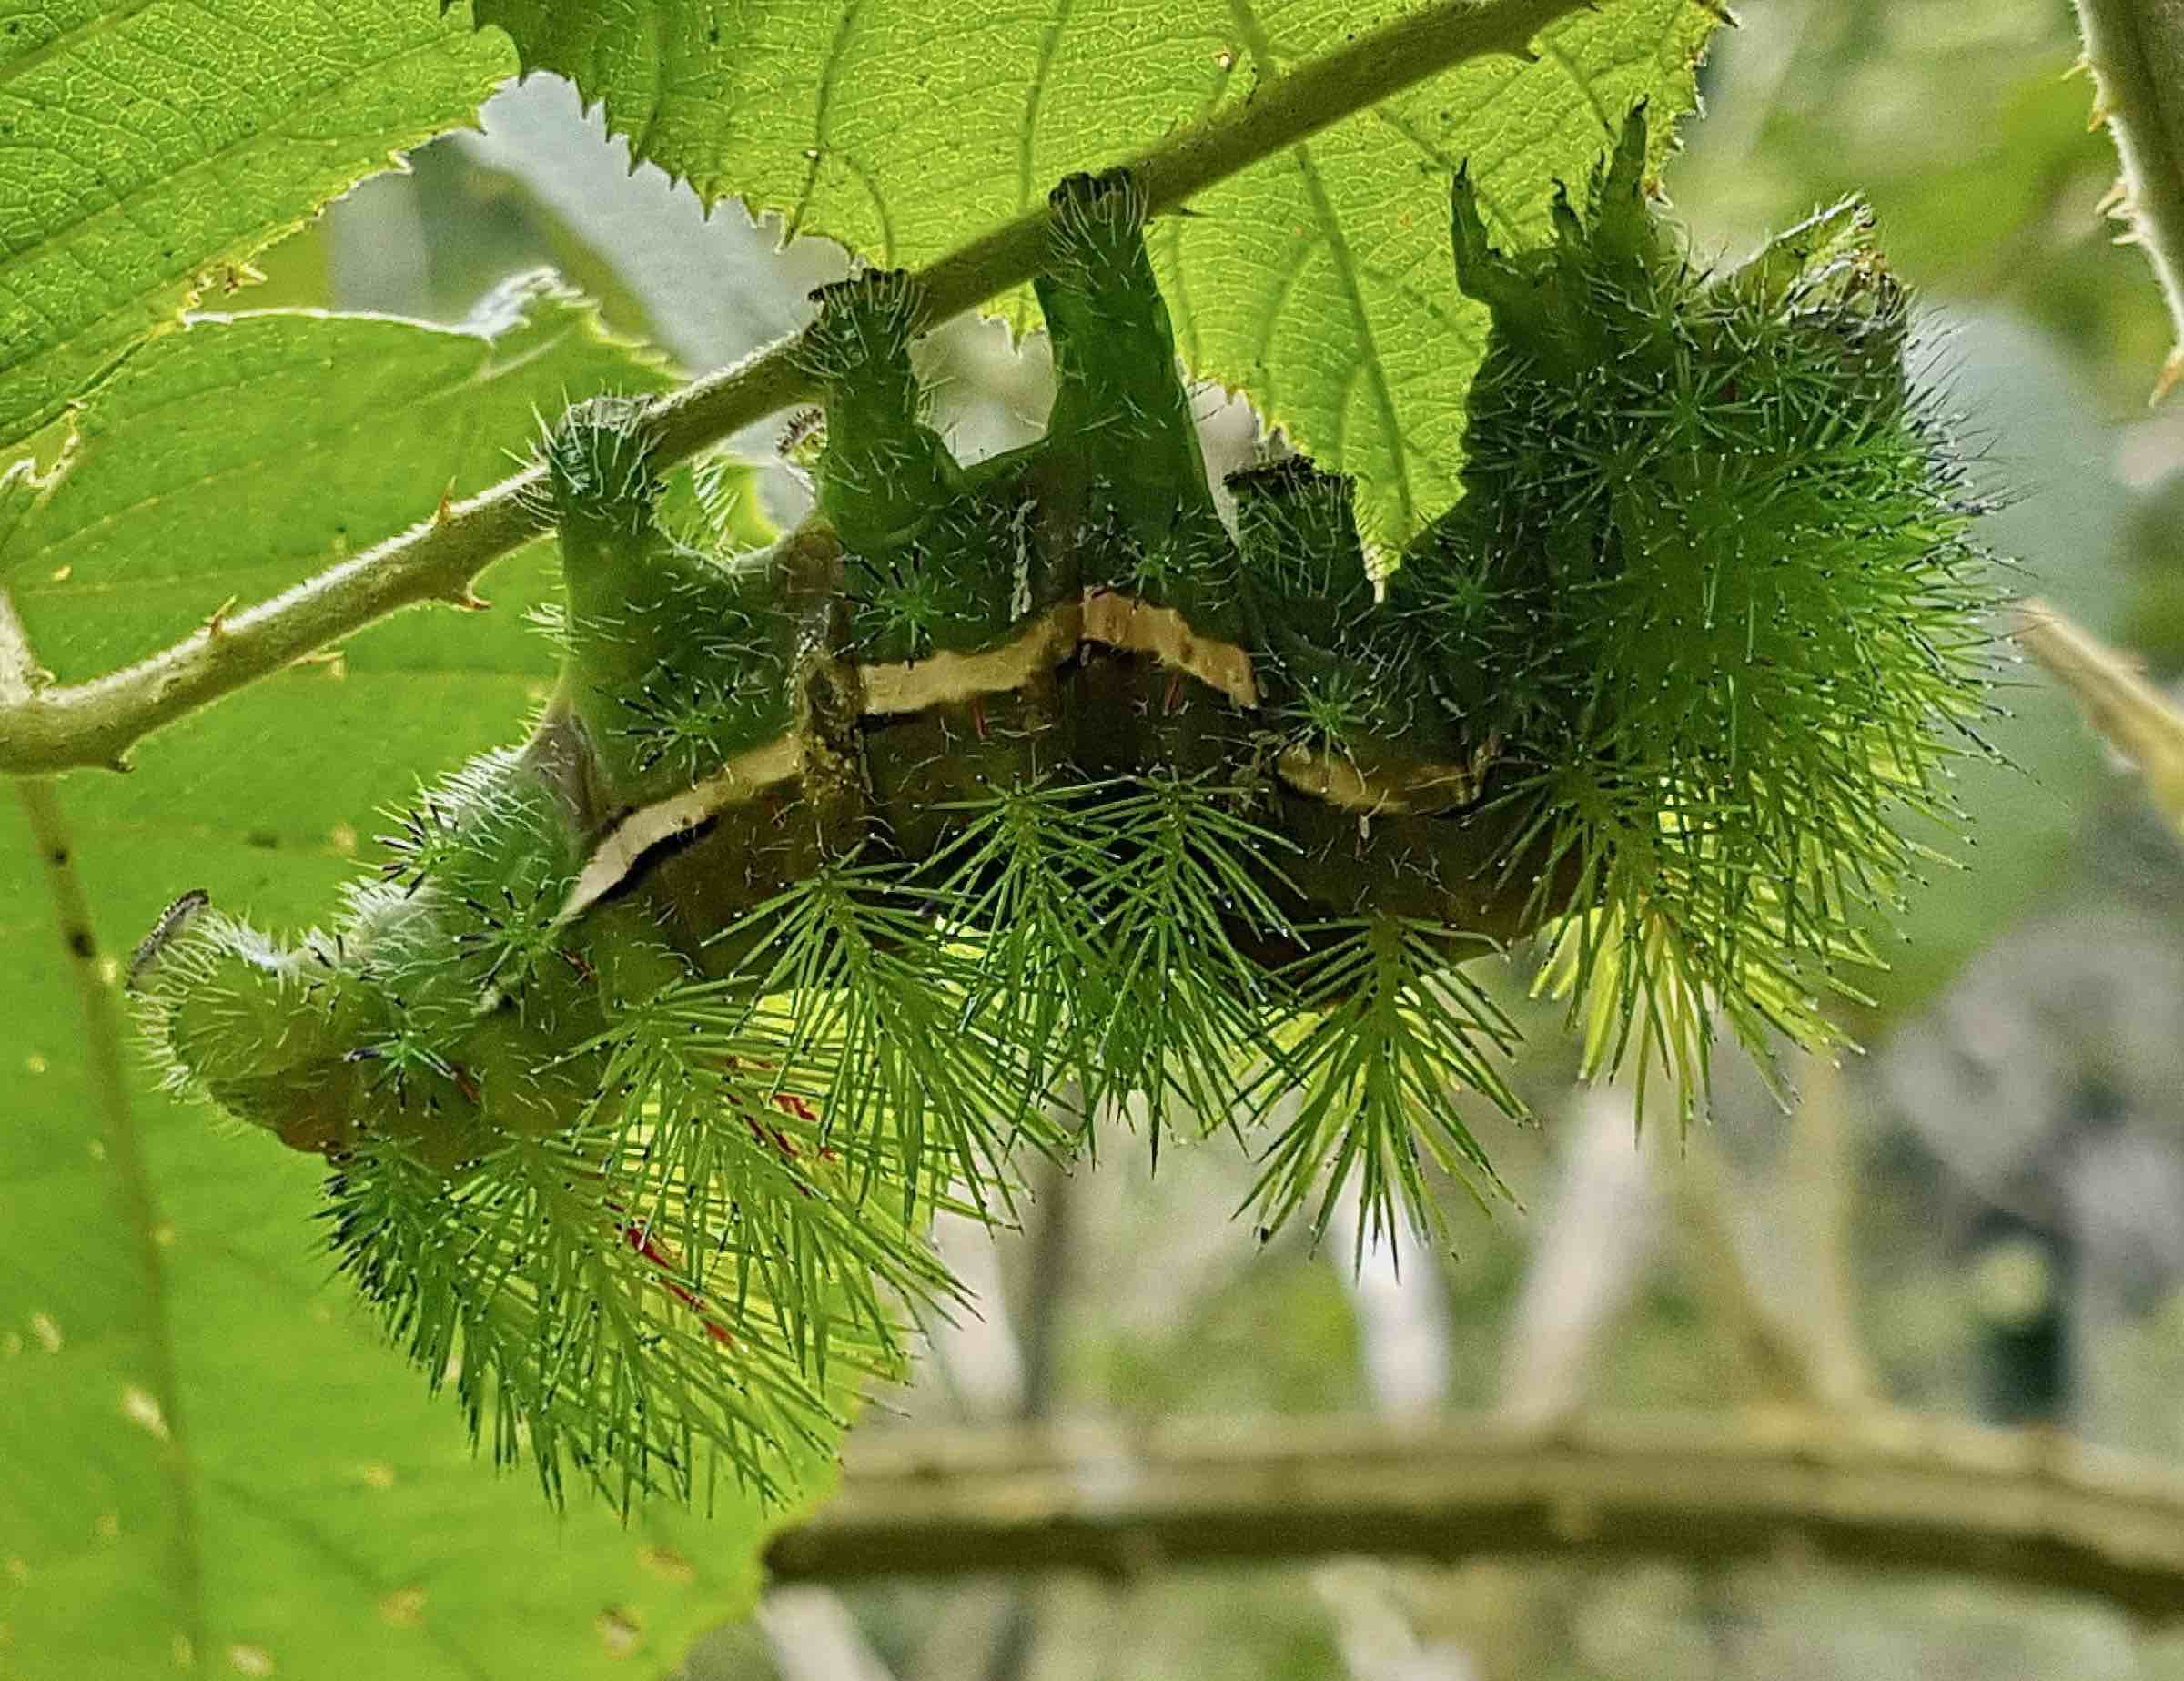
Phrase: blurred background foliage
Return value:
(2008, 1160)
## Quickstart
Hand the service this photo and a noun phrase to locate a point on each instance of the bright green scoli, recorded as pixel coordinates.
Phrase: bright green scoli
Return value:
(837, 872)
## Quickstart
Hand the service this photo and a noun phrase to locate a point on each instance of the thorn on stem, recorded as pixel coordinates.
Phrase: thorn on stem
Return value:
(2172, 371)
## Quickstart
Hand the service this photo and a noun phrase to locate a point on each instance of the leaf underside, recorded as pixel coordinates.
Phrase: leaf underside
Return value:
(1311, 284)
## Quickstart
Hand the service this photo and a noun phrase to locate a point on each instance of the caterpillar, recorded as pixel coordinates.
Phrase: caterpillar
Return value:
(832, 870)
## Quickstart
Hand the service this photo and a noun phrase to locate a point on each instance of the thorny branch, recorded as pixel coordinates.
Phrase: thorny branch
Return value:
(98, 722)
(2136, 51)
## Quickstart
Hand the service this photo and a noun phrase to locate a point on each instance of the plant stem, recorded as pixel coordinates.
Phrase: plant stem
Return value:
(97, 723)
(2136, 49)
(105, 1066)
(1894, 1491)
(2131, 715)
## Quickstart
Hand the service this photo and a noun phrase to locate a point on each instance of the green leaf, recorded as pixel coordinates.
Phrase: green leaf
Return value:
(210, 1445)
(153, 149)
(245, 453)
(1318, 283)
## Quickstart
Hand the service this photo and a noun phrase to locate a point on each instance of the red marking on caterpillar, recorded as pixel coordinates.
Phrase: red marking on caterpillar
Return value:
(788, 1102)
(774, 1136)
(640, 1239)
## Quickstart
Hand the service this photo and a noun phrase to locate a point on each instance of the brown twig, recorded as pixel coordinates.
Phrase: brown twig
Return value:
(1882, 1492)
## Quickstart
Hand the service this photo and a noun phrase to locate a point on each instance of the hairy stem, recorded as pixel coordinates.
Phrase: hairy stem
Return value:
(97, 723)
(2136, 49)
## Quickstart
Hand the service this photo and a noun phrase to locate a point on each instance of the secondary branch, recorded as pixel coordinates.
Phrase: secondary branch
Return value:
(97, 723)
(1890, 1492)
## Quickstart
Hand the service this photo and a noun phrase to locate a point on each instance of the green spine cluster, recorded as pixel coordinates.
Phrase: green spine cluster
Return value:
(837, 873)
(1713, 590)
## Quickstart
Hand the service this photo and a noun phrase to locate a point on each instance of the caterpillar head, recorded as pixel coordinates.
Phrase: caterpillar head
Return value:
(229, 1016)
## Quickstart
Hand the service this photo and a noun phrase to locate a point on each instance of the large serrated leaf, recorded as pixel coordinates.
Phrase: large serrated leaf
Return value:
(206, 1450)
(153, 148)
(1316, 283)
(244, 453)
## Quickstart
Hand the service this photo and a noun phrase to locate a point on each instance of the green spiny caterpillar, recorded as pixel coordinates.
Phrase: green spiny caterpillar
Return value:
(831, 869)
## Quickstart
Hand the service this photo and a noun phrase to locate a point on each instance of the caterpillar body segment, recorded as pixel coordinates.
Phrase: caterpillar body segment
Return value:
(1342, 679)
(831, 868)
(925, 566)
(1713, 592)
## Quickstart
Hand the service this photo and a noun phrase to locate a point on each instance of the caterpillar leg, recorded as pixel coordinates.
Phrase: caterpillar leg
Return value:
(884, 472)
(676, 663)
(1121, 442)
(927, 562)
